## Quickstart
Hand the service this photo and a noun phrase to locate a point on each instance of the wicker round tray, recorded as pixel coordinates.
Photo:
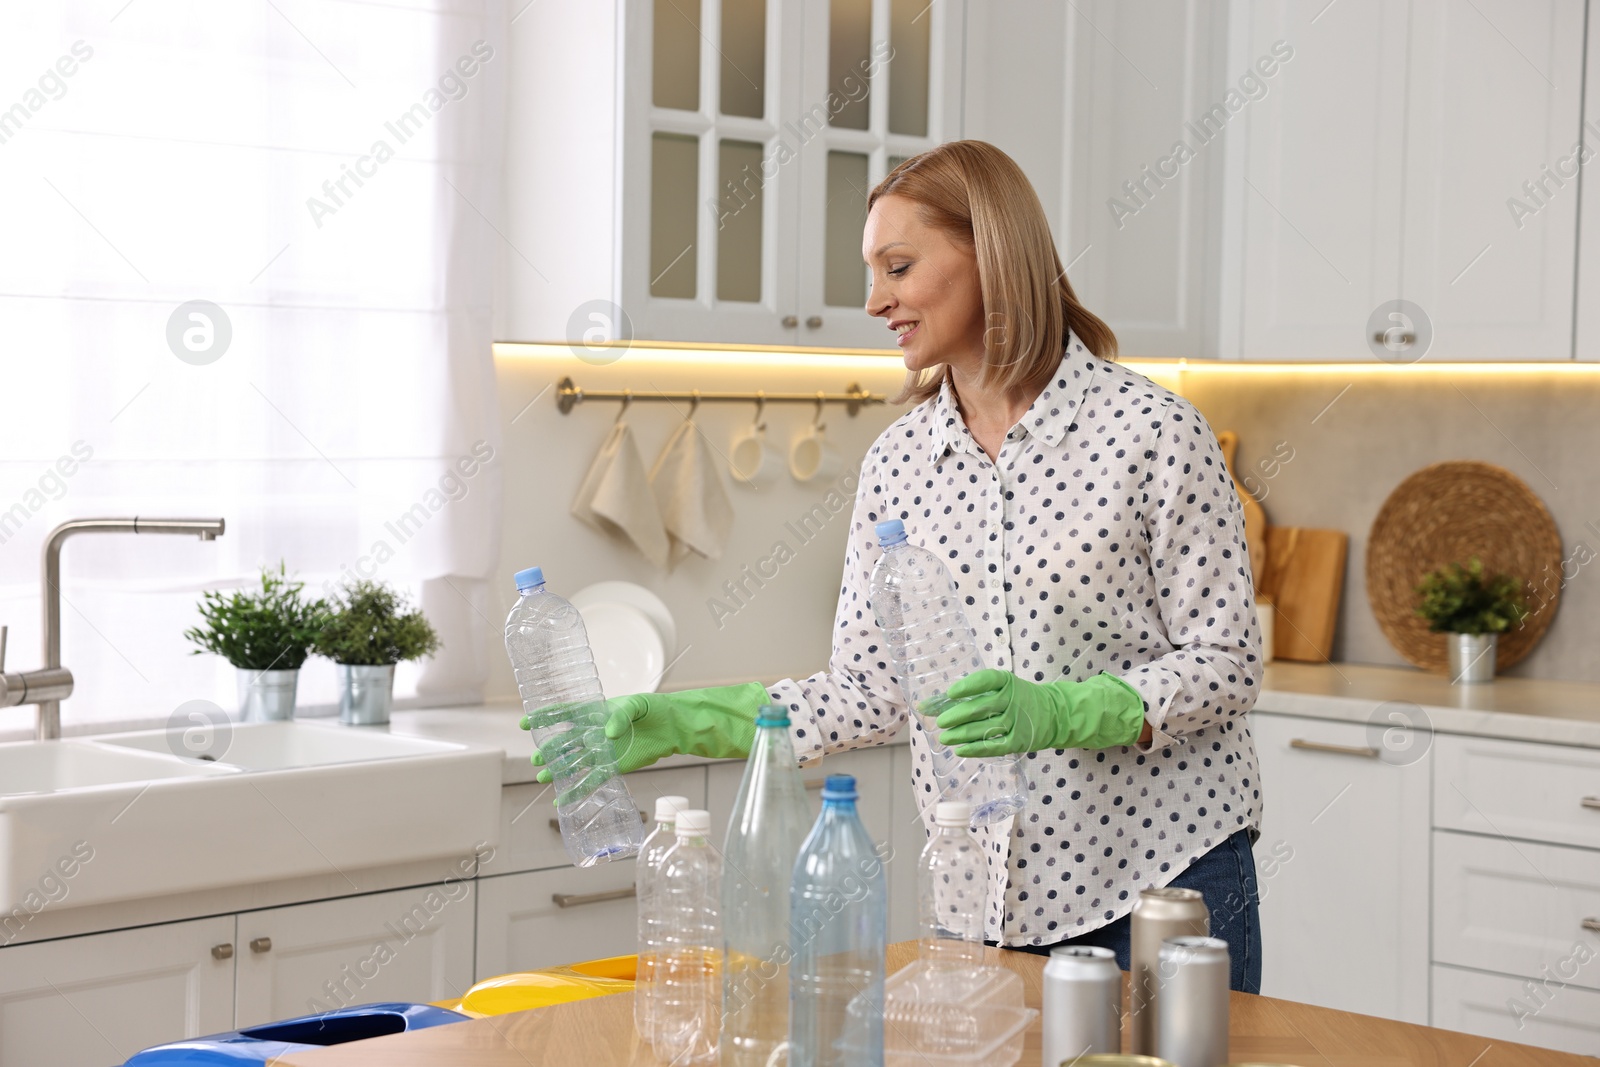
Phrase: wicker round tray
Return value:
(1448, 513)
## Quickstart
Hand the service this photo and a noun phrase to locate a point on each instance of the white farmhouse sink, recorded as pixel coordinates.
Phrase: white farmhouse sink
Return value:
(283, 800)
(272, 746)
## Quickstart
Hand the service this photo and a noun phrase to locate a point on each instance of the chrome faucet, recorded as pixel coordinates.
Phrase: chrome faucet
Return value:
(51, 684)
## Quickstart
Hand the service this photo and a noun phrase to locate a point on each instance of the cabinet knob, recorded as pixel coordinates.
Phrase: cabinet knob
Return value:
(222, 952)
(1364, 751)
(1592, 924)
(1400, 338)
(814, 322)
(577, 900)
(1591, 802)
(261, 944)
(789, 322)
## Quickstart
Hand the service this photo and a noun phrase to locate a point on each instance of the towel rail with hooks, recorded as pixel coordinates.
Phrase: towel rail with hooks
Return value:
(569, 395)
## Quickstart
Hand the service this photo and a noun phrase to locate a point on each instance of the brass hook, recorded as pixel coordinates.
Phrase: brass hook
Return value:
(627, 398)
(761, 405)
(694, 402)
(816, 420)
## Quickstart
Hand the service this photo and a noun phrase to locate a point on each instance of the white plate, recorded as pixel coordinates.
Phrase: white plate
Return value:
(636, 596)
(627, 649)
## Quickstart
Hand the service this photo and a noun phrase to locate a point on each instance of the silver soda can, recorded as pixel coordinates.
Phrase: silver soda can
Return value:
(1157, 915)
(1082, 1003)
(1192, 1019)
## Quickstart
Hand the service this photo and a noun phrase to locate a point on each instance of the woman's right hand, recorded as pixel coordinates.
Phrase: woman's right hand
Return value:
(718, 723)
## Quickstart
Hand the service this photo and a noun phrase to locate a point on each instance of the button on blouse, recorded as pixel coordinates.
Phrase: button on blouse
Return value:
(1106, 536)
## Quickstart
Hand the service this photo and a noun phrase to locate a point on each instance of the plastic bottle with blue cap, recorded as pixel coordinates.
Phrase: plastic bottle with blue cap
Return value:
(770, 818)
(933, 645)
(566, 713)
(838, 920)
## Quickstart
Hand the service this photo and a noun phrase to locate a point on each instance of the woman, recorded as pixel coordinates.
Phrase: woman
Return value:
(1097, 541)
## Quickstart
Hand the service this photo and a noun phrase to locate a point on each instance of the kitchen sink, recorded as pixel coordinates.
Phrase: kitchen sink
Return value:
(281, 800)
(267, 746)
(53, 766)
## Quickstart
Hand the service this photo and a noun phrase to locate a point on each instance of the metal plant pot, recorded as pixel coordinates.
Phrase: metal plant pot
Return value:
(266, 696)
(1471, 657)
(366, 694)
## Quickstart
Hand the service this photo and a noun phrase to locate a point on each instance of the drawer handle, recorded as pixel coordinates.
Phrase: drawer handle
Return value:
(577, 900)
(261, 944)
(1592, 803)
(555, 824)
(1364, 751)
(1592, 924)
(222, 952)
(816, 783)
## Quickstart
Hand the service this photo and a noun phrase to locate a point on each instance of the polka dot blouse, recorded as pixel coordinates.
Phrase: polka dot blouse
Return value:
(1107, 537)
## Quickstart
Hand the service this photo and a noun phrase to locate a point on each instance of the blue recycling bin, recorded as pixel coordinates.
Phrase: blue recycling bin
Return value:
(262, 1044)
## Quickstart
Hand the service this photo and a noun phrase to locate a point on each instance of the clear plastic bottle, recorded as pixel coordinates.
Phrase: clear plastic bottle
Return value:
(932, 645)
(645, 875)
(951, 890)
(688, 1001)
(549, 651)
(770, 819)
(838, 920)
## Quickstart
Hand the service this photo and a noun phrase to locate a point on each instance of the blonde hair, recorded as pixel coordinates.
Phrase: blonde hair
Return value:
(979, 197)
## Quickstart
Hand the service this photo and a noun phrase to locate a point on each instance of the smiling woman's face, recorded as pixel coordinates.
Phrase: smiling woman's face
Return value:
(925, 286)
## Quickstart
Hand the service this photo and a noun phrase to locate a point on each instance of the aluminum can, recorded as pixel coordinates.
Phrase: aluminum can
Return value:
(1157, 915)
(1082, 1003)
(1192, 1015)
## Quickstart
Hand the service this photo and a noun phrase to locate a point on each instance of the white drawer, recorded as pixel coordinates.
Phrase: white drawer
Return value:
(1517, 908)
(522, 928)
(1516, 789)
(1567, 1020)
(530, 838)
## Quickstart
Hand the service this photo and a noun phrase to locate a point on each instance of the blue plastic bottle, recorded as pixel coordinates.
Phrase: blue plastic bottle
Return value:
(549, 651)
(932, 645)
(838, 920)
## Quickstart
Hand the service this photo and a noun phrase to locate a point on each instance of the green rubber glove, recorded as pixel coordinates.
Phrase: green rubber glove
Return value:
(718, 723)
(995, 713)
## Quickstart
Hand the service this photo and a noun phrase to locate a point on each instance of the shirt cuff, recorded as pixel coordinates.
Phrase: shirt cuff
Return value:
(1158, 689)
(804, 733)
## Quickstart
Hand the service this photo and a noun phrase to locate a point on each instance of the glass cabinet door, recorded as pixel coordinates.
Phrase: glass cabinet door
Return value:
(710, 191)
(884, 86)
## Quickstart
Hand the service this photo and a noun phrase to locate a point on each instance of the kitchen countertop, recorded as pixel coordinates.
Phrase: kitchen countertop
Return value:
(1517, 709)
(600, 1033)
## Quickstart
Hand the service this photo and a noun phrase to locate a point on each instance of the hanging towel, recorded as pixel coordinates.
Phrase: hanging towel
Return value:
(616, 497)
(694, 501)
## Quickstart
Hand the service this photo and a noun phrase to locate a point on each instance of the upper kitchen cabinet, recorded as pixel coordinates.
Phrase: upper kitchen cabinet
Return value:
(1146, 164)
(1491, 204)
(1320, 187)
(705, 177)
(1586, 345)
(1413, 151)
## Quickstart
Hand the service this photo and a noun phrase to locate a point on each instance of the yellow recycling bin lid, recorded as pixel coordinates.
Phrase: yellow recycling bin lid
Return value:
(555, 985)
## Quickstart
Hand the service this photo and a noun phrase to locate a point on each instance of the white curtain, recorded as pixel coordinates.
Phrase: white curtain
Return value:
(324, 173)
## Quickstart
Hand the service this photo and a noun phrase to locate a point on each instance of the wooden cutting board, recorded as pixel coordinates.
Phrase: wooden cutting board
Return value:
(1304, 578)
(1255, 516)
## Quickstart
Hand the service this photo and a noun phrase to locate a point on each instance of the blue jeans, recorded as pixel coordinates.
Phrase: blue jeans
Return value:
(1226, 877)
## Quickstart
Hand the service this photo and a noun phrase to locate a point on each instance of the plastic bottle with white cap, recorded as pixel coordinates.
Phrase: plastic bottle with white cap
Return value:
(951, 890)
(645, 876)
(688, 1005)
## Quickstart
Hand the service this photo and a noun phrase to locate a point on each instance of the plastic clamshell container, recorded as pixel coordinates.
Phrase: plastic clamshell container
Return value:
(953, 1015)
(265, 1044)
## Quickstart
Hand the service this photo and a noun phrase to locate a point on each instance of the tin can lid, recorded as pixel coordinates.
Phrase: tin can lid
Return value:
(1183, 949)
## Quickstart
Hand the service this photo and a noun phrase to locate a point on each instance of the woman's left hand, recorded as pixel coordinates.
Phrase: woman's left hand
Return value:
(995, 713)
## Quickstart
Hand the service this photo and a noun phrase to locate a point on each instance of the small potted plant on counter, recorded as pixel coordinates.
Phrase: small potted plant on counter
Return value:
(369, 632)
(1471, 610)
(266, 634)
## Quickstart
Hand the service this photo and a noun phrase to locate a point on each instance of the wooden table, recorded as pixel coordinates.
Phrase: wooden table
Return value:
(599, 1033)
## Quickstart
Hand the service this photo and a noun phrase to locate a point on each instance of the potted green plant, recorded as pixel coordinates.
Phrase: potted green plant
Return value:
(1472, 609)
(266, 634)
(370, 630)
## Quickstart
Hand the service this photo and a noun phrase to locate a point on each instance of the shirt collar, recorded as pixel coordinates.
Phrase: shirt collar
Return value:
(1048, 418)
